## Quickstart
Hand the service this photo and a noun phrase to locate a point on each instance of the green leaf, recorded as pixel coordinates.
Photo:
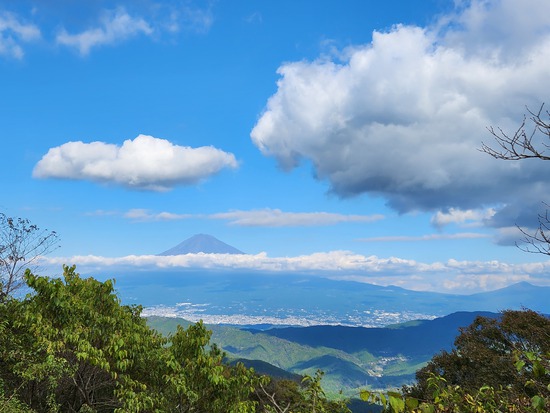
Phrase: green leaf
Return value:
(397, 403)
(538, 403)
(411, 403)
(520, 364)
(538, 369)
(426, 408)
(365, 395)
(383, 400)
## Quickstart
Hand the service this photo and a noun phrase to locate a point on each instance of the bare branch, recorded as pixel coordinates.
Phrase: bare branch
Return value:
(522, 144)
(271, 399)
(538, 242)
(21, 244)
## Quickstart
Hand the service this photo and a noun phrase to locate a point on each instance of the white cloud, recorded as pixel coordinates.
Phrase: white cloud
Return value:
(146, 215)
(194, 19)
(12, 32)
(501, 29)
(256, 218)
(115, 26)
(145, 163)
(451, 276)
(457, 216)
(429, 237)
(276, 218)
(404, 116)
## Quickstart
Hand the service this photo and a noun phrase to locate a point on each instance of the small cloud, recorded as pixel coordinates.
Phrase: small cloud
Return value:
(12, 32)
(255, 17)
(457, 216)
(101, 213)
(146, 215)
(115, 26)
(196, 20)
(145, 163)
(429, 237)
(277, 218)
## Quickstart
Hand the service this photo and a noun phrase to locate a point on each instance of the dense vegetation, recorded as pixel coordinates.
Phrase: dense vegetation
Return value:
(498, 365)
(70, 346)
(350, 357)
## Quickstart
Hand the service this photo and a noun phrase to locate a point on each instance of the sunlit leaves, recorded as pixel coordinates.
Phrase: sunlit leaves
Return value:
(70, 346)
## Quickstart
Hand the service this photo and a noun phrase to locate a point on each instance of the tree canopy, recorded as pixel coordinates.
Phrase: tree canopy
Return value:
(497, 365)
(71, 346)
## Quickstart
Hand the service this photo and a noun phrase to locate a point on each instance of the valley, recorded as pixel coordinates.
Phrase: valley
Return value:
(352, 358)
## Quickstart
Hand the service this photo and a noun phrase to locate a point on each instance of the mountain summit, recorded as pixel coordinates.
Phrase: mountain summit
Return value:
(202, 243)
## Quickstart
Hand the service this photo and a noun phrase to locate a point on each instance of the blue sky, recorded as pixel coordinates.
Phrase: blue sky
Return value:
(336, 137)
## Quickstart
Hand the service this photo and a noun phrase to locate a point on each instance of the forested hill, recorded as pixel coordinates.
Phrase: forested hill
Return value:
(414, 338)
(349, 356)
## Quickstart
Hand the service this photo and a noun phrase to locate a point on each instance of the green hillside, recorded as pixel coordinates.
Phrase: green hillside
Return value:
(351, 357)
(343, 371)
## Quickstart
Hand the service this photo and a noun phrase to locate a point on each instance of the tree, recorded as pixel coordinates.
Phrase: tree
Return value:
(527, 144)
(21, 244)
(486, 354)
(498, 365)
(288, 396)
(71, 346)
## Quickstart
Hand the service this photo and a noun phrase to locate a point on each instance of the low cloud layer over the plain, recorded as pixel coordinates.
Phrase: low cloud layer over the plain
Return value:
(450, 276)
(145, 163)
(404, 117)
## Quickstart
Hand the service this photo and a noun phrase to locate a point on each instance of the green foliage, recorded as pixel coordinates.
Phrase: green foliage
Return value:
(201, 379)
(517, 346)
(342, 370)
(71, 346)
(485, 354)
(282, 396)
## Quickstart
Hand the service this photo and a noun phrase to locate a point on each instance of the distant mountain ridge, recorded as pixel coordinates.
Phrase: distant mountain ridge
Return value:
(351, 357)
(201, 243)
(412, 339)
(252, 298)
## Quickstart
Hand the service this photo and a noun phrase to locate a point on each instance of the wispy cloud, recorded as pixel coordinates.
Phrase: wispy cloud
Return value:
(276, 218)
(145, 163)
(13, 32)
(429, 237)
(114, 27)
(146, 215)
(256, 218)
(198, 20)
(254, 18)
(450, 276)
(101, 213)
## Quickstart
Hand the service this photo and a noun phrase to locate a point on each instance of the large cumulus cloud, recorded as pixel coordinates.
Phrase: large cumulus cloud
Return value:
(146, 163)
(404, 116)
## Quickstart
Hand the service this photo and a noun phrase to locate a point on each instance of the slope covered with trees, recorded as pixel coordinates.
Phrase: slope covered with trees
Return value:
(70, 346)
(350, 357)
(497, 365)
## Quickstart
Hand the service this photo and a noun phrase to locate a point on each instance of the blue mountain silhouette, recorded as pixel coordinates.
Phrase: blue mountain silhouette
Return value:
(202, 243)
